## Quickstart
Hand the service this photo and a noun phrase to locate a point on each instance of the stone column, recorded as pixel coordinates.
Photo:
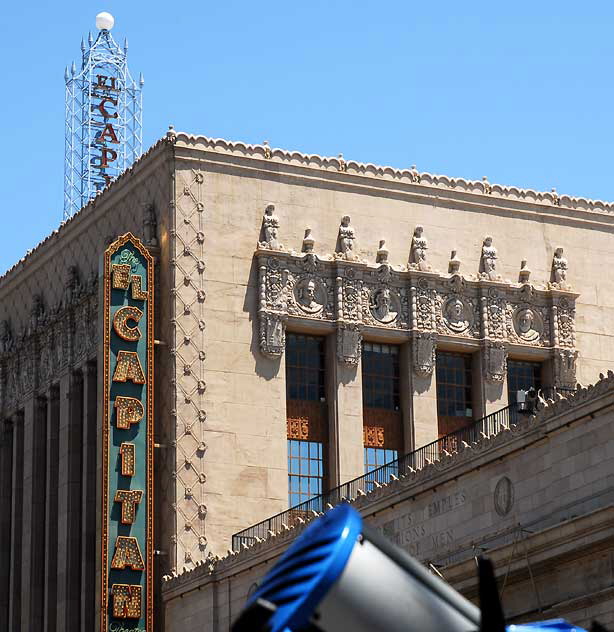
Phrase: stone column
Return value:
(6, 475)
(16, 525)
(489, 379)
(75, 518)
(89, 511)
(38, 571)
(421, 377)
(406, 397)
(345, 414)
(29, 416)
(51, 510)
(69, 502)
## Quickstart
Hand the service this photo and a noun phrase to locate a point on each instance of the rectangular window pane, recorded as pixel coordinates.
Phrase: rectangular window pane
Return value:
(454, 389)
(522, 376)
(380, 376)
(305, 471)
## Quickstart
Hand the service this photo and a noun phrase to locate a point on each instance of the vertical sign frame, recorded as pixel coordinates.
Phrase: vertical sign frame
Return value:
(127, 438)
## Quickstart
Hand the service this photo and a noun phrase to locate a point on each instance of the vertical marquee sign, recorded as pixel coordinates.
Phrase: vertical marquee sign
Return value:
(127, 485)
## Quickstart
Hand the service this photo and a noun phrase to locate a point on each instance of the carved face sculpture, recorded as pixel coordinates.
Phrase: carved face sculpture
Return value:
(527, 326)
(525, 321)
(454, 314)
(382, 308)
(308, 297)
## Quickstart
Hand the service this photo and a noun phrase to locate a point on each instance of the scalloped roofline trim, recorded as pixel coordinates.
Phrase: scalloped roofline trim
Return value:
(340, 165)
(410, 176)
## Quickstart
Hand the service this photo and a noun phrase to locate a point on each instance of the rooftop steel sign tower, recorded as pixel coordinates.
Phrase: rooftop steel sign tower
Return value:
(103, 117)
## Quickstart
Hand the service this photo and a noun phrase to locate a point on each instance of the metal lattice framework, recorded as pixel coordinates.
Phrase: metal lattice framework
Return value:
(103, 120)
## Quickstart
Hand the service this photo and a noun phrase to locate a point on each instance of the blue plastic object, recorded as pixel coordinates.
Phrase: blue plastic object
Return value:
(553, 625)
(307, 570)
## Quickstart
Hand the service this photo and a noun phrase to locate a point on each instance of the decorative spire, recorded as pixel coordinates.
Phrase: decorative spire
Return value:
(103, 117)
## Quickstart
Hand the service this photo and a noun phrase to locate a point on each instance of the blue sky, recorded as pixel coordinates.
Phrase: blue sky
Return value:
(518, 91)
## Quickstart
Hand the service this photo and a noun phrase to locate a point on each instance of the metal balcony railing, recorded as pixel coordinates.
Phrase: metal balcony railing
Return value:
(416, 460)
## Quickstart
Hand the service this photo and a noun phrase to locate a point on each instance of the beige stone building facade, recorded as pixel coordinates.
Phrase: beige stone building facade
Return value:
(315, 318)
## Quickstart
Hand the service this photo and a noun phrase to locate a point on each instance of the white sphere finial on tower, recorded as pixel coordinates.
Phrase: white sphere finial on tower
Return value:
(104, 21)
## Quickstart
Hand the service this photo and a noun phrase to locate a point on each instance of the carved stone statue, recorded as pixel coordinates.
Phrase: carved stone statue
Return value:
(270, 228)
(489, 260)
(307, 296)
(382, 252)
(454, 315)
(454, 264)
(525, 272)
(382, 306)
(417, 254)
(345, 240)
(308, 241)
(559, 269)
(526, 325)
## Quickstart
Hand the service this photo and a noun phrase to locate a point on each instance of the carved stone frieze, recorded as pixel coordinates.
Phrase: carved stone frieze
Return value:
(423, 304)
(494, 306)
(349, 290)
(384, 300)
(31, 357)
(564, 315)
(356, 297)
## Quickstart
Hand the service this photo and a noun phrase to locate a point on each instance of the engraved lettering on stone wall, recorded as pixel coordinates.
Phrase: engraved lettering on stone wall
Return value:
(417, 531)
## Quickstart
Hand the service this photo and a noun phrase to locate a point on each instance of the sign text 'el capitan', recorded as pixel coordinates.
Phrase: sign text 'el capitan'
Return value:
(127, 485)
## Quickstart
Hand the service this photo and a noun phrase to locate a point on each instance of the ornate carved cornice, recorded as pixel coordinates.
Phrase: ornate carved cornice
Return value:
(430, 308)
(55, 339)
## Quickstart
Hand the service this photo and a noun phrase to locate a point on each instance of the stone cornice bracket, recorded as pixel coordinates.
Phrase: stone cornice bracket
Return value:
(349, 343)
(565, 368)
(494, 361)
(424, 353)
